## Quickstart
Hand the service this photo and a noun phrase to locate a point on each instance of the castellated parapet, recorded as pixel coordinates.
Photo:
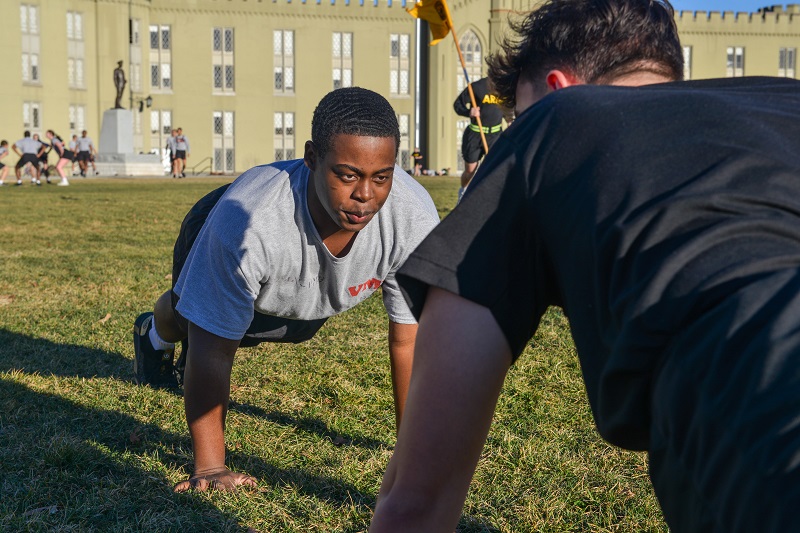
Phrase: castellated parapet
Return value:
(770, 20)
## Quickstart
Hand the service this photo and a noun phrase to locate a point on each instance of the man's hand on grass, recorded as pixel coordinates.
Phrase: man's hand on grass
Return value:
(220, 480)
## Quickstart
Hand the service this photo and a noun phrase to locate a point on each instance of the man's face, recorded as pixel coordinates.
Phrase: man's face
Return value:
(351, 182)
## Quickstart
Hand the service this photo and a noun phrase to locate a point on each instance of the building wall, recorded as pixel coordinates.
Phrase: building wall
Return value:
(192, 100)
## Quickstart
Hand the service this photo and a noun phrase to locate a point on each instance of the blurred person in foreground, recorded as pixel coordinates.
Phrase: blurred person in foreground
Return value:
(664, 218)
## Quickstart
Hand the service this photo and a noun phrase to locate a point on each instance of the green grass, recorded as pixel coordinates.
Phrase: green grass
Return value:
(82, 448)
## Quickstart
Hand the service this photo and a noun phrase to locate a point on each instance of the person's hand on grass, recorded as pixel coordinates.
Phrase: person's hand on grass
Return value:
(218, 480)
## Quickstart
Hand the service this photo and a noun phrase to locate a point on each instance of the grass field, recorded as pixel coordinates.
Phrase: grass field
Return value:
(82, 448)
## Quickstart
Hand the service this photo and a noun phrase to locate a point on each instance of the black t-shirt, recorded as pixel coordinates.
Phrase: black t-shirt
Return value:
(489, 103)
(640, 211)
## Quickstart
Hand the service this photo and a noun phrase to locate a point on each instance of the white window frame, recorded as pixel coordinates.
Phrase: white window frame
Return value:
(136, 56)
(687, 62)
(32, 117)
(735, 62)
(284, 135)
(787, 62)
(404, 150)
(400, 64)
(223, 134)
(160, 129)
(283, 42)
(31, 44)
(161, 79)
(342, 58)
(77, 118)
(223, 73)
(75, 50)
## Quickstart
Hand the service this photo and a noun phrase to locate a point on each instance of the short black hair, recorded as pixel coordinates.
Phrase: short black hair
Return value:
(596, 40)
(27, 133)
(353, 111)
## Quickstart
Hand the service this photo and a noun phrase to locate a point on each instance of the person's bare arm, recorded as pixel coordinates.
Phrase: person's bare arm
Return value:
(401, 356)
(460, 362)
(16, 150)
(207, 382)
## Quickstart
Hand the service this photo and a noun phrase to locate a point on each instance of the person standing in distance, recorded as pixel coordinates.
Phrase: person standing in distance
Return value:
(491, 115)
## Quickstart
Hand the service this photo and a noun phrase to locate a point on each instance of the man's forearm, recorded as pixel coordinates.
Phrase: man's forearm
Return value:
(401, 356)
(206, 395)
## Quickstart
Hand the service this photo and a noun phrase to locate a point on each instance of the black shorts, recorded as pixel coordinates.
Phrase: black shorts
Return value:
(83, 156)
(472, 146)
(28, 158)
(2, 166)
(180, 154)
(67, 155)
(263, 328)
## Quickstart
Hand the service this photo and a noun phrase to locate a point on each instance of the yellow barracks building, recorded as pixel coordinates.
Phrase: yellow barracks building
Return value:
(242, 77)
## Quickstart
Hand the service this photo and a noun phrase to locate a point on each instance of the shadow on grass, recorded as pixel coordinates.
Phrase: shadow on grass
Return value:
(65, 463)
(39, 356)
(310, 425)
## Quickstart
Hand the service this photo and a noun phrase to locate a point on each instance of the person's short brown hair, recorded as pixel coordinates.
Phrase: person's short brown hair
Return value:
(595, 40)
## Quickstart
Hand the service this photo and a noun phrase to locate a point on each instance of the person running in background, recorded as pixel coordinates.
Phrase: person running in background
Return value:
(491, 114)
(43, 165)
(64, 156)
(3, 168)
(85, 151)
(29, 152)
(172, 148)
(418, 161)
(73, 147)
(182, 151)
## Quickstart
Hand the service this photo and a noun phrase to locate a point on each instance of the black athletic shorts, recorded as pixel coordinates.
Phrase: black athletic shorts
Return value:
(263, 328)
(83, 155)
(472, 146)
(180, 154)
(28, 158)
(68, 155)
(2, 166)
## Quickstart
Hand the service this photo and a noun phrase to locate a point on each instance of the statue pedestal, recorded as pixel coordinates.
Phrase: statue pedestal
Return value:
(115, 155)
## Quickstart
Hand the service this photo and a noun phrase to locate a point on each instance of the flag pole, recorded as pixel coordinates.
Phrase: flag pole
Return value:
(469, 84)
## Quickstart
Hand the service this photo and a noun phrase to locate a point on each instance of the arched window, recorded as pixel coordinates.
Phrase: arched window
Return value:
(472, 51)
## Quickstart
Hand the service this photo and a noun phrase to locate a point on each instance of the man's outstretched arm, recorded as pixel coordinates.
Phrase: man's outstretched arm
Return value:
(207, 384)
(460, 362)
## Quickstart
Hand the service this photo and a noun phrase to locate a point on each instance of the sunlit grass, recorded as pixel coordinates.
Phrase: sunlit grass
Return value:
(84, 449)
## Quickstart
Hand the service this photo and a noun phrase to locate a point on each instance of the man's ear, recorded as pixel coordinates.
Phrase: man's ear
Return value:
(559, 79)
(310, 156)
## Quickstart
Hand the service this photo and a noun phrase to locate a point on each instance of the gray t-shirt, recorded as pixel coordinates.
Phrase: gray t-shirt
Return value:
(182, 143)
(27, 145)
(84, 144)
(259, 250)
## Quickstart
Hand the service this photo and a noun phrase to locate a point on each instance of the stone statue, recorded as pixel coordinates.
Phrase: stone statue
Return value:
(119, 83)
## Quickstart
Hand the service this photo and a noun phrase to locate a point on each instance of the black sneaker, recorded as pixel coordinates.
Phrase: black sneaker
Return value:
(150, 366)
(180, 364)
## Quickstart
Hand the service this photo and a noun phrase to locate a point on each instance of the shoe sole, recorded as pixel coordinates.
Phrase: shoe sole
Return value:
(139, 329)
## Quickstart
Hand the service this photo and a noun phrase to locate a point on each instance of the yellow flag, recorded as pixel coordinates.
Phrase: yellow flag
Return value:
(437, 15)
